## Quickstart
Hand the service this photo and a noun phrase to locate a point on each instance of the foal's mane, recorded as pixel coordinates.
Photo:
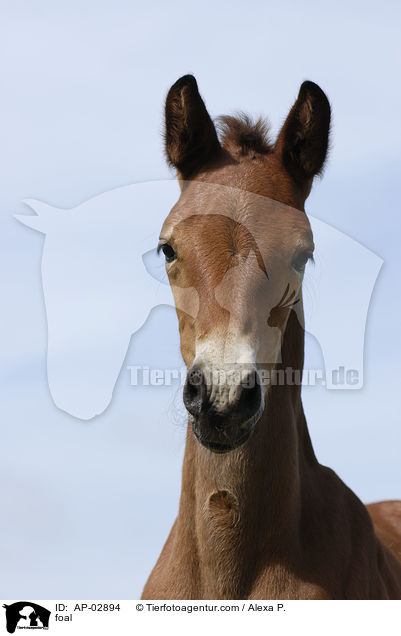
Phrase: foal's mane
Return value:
(243, 136)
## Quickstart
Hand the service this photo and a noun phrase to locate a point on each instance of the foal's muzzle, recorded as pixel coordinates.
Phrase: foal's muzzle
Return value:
(224, 412)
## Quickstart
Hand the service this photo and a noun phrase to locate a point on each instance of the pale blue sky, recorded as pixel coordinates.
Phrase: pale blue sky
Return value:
(86, 507)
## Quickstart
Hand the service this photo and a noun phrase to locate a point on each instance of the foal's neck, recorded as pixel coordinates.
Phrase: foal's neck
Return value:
(248, 501)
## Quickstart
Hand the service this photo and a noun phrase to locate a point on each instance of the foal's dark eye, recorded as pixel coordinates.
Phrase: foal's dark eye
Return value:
(301, 259)
(168, 252)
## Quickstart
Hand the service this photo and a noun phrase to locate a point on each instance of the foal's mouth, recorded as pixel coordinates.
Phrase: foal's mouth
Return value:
(227, 437)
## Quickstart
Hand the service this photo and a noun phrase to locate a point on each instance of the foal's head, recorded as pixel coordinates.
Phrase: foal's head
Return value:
(236, 245)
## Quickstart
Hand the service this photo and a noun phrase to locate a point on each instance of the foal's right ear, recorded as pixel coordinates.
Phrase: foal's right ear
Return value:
(303, 140)
(190, 136)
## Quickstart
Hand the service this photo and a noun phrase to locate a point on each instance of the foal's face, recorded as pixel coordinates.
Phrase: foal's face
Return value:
(236, 245)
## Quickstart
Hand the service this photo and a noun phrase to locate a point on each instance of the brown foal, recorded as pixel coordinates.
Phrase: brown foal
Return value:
(259, 517)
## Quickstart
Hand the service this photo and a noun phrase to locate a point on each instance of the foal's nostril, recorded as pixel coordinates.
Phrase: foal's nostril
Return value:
(195, 391)
(250, 396)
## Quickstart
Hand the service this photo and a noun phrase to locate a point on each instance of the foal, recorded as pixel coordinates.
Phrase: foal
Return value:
(259, 517)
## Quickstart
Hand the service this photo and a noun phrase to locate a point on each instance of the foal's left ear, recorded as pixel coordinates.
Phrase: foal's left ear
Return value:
(303, 140)
(190, 136)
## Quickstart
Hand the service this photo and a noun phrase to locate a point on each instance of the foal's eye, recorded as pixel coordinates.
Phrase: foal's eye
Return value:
(168, 252)
(301, 259)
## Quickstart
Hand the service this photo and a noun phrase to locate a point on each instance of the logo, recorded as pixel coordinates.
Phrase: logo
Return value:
(102, 277)
(26, 615)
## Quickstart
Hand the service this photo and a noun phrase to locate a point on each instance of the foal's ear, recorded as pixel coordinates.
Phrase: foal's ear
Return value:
(190, 135)
(304, 138)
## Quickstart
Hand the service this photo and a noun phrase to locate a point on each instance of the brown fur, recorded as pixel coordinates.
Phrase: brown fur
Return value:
(266, 520)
